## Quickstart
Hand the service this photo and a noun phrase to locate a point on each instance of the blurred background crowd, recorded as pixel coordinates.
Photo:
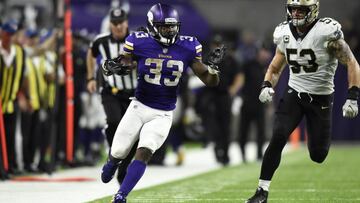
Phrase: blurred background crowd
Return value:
(40, 93)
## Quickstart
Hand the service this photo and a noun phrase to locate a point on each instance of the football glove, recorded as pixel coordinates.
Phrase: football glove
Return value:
(214, 58)
(350, 108)
(115, 66)
(267, 92)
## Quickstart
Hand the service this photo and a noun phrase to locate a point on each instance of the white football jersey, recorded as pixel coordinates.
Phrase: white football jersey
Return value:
(312, 68)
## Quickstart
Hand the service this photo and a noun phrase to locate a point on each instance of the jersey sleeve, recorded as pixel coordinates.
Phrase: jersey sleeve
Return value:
(331, 30)
(198, 50)
(94, 46)
(129, 44)
(278, 36)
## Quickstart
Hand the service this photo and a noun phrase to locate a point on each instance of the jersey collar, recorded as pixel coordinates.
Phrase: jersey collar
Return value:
(296, 34)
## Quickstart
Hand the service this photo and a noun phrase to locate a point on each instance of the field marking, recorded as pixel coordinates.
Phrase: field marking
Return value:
(238, 199)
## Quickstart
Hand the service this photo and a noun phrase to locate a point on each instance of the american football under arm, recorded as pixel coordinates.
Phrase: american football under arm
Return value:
(201, 71)
(275, 68)
(342, 52)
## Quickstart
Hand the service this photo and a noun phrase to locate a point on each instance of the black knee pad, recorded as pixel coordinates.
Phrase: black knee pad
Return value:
(318, 155)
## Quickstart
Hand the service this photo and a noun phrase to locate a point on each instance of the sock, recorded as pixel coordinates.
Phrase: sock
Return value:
(134, 172)
(264, 184)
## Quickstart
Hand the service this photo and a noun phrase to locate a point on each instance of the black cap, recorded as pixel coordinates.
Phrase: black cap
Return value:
(118, 15)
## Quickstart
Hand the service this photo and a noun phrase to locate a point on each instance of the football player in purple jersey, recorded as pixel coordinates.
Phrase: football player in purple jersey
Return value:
(162, 57)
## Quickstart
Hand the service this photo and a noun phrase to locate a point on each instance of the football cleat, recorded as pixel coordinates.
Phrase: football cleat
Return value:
(260, 196)
(119, 198)
(108, 171)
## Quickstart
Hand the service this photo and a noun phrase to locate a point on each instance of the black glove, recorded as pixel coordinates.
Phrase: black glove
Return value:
(115, 66)
(215, 57)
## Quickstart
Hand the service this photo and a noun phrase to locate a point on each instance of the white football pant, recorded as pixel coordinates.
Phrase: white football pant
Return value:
(151, 126)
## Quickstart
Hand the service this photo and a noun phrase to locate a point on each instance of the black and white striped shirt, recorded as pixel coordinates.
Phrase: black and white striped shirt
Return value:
(105, 47)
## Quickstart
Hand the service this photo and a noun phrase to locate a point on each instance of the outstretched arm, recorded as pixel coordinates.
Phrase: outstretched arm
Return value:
(208, 76)
(272, 77)
(275, 68)
(342, 52)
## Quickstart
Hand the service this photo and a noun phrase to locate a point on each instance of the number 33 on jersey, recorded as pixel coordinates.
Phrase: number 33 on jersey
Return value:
(312, 67)
(161, 67)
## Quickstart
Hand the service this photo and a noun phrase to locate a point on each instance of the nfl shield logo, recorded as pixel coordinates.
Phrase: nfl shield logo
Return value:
(165, 50)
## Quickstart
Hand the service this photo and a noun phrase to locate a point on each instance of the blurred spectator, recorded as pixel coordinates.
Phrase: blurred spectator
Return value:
(216, 113)
(12, 66)
(91, 122)
(35, 119)
(252, 110)
(115, 89)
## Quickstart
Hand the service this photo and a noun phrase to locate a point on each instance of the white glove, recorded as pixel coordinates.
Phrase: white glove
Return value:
(266, 94)
(350, 108)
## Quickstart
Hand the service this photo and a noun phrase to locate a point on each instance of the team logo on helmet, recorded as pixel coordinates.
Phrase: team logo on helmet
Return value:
(163, 23)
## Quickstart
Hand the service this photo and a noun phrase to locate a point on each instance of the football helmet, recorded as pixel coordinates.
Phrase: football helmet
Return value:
(311, 7)
(163, 23)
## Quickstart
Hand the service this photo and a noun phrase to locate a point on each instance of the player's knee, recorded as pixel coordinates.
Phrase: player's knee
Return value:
(318, 155)
(143, 154)
(280, 134)
(118, 151)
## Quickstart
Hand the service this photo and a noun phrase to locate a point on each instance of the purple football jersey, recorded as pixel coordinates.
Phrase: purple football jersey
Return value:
(160, 67)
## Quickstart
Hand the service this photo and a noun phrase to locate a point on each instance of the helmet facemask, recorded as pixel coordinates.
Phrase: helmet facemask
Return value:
(163, 24)
(311, 13)
(166, 32)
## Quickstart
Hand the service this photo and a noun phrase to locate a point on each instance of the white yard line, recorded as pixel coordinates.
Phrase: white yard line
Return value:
(197, 161)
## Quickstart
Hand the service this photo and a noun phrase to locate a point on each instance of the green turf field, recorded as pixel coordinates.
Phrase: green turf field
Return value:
(297, 180)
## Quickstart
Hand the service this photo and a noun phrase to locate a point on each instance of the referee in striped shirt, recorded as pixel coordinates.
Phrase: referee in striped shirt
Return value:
(115, 89)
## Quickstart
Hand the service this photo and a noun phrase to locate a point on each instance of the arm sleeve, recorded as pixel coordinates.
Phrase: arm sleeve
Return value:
(331, 30)
(198, 50)
(129, 45)
(94, 46)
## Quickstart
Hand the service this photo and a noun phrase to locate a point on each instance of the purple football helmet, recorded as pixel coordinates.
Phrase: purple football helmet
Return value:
(163, 23)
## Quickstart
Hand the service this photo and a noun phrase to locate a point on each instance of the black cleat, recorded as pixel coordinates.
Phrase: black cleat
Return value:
(260, 196)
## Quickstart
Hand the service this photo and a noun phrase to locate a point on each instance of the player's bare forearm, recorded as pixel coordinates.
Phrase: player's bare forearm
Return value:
(342, 52)
(202, 72)
(275, 68)
(90, 64)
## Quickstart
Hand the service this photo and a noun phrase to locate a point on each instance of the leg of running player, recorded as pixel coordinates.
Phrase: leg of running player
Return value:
(125, 137)
(287, 117)
(318, 121)
(153, 134)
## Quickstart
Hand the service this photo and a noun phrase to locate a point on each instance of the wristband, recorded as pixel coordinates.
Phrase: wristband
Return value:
(90, 79)
(266, 84)
(353, 93)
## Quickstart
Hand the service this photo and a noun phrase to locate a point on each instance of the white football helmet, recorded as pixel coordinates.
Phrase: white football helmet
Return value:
(312, 7)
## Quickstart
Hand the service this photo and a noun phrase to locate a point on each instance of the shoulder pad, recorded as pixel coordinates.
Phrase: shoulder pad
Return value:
(190, 42)
(279, 32)
(140, 34)
(330, 28)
